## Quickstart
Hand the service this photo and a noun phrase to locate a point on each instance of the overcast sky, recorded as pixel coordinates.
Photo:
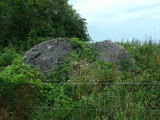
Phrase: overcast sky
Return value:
(117, 19)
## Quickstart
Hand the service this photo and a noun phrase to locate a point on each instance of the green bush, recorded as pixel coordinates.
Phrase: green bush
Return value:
(19, 87)
(22, 89)
(7, 56)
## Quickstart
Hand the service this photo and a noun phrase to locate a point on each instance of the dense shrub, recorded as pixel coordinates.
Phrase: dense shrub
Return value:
(7, 56)
(19, 87)
(26, 22)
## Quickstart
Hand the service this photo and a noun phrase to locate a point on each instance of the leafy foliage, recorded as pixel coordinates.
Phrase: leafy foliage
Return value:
(7, 56)
(18, 88)
(24, 22)
(83, 87)
(89, 90)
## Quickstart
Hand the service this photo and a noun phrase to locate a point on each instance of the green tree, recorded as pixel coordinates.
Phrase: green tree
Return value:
(27, 20)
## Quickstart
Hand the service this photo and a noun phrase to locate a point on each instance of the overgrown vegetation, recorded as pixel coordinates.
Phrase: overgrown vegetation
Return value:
(83, 87)
(89, 90)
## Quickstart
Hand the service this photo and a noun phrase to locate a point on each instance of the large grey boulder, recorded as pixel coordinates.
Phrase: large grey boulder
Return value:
(116, 54)
(49, 54)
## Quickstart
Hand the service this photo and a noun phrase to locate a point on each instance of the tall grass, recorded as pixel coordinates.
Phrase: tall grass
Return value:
(96, 91)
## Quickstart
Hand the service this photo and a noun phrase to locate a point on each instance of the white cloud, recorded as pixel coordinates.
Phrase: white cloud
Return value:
(117, 15)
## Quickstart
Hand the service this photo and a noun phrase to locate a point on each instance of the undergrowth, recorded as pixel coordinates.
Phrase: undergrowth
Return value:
(89, 90)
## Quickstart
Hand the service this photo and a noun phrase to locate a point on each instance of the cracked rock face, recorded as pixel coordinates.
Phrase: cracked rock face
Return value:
(112, 52)
(49, 54)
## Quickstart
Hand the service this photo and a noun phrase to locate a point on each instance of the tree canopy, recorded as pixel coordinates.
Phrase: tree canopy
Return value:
(24, 21)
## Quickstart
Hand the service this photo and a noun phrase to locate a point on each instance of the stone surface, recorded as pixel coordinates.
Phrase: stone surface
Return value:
(112, 52)
(48, 54)
(51, 53)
